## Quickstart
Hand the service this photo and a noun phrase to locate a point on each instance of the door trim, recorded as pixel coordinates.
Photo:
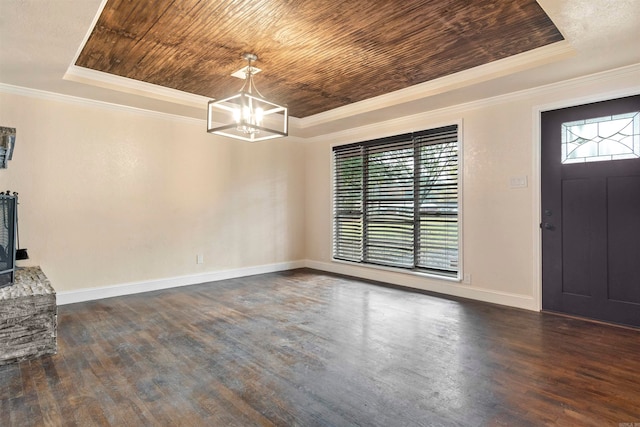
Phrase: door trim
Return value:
(536, 180)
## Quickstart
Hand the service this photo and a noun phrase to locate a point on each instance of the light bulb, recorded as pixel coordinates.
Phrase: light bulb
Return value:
(259, 116)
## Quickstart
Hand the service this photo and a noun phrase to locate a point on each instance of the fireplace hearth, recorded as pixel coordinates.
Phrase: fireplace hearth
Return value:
(28, 317)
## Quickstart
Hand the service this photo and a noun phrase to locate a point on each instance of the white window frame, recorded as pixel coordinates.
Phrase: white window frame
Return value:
(420, 273)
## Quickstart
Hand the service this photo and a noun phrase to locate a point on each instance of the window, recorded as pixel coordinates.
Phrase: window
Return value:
(604, 138)
(396, 201)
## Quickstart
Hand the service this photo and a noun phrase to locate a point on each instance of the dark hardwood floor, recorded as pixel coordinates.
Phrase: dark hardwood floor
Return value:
(307, 348)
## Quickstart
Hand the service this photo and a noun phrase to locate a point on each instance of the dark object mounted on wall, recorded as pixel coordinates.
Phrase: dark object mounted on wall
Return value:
(21, 254)
(7, 142)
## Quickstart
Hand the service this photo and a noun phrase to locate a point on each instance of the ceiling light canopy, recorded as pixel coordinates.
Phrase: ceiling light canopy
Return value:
(247, 115)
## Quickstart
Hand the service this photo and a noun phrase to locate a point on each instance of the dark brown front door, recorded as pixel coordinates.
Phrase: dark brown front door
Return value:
(591, 211)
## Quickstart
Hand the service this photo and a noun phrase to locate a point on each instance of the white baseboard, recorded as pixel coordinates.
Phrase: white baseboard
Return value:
(446, 287)
(89, 294)
(401, 279)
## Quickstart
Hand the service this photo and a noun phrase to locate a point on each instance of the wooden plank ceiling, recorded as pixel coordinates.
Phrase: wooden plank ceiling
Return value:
(316, 55)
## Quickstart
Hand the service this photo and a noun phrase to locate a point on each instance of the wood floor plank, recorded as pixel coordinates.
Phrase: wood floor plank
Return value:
(309, 348)
(11, 382)
(51, 414)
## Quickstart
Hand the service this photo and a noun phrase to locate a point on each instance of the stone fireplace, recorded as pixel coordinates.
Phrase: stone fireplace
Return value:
(28, 317)
(28, 312)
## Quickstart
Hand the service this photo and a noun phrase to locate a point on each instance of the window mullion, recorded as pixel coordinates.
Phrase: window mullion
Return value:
(364, 152)
(416, 202)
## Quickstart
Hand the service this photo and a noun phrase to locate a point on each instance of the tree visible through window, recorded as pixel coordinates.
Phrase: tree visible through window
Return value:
(396, 201)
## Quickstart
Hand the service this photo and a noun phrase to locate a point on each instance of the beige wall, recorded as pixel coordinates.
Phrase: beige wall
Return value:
(500, 224)
(111, 196)
(114, 196)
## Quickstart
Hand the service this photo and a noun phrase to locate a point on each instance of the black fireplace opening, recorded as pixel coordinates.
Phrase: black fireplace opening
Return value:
(8, 234)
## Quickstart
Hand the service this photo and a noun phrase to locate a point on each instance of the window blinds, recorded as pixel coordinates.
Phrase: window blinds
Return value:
(396, 201)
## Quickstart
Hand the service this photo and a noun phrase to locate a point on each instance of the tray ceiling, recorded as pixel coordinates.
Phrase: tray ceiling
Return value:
(315, 55)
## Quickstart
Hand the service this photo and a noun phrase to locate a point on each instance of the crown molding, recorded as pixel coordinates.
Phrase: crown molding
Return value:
(492, 70)
(513, 64)
(133, 87)
(92, 103)
(87, 102)
(104, 80)
(408, 123)
(379, 129)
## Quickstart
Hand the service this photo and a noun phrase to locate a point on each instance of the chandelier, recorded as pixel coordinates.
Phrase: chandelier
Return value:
(247, 115)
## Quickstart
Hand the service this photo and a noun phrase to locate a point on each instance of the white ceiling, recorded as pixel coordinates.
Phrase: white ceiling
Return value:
(40, 39)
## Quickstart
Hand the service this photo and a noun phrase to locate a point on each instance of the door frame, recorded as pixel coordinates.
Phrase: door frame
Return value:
(536, 189)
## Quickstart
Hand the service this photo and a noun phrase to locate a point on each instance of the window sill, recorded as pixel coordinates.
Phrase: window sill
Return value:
(426, 275)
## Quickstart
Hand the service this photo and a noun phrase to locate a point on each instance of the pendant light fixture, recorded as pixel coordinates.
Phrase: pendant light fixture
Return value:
(247, 115)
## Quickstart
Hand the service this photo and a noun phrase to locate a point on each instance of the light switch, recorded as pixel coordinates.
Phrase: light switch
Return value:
(518, 181)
